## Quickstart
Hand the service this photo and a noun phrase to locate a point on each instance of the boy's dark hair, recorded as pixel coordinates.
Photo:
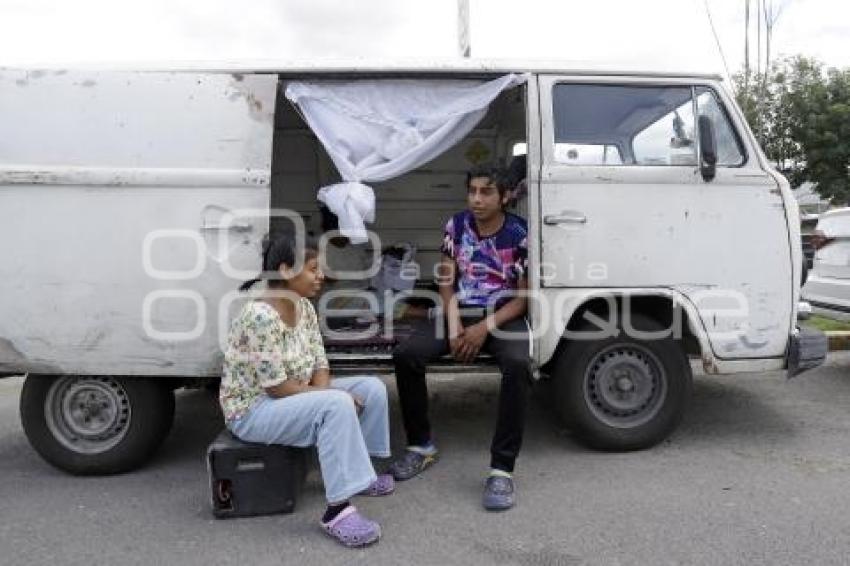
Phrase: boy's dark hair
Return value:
(517, 170)
(279, 249)
(498, 176)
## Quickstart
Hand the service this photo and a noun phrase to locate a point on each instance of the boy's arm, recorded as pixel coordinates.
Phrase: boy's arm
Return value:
(517, 306)
(514, 308)
(445, 282)
(451, 309)
(475, 335)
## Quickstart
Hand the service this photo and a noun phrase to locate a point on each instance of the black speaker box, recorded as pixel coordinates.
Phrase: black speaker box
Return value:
(254, 479)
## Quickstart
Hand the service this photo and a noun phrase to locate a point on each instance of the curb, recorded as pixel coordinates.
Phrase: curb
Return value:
(838, 340)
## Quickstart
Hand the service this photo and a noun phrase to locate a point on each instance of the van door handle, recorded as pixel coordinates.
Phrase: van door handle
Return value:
(236, 227)
(567, 218)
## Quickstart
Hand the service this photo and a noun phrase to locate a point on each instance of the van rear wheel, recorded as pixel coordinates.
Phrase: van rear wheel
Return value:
(91, 425)
(622, 392)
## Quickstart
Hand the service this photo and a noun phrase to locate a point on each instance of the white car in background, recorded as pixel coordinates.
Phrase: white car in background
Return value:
(827, 288)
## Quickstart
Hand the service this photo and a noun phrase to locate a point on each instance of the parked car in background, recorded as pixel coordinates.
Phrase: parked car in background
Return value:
(827, 288)
(808, 224)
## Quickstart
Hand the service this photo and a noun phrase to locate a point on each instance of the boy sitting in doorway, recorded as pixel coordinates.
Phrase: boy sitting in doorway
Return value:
(482, 280)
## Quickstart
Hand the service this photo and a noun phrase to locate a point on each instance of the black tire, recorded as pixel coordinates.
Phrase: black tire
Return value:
(95, 425)
(621, 393)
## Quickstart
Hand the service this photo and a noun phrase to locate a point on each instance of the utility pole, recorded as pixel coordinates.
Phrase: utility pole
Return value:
(746, 45)
(771, 16)
(464, 41)
(758, 29)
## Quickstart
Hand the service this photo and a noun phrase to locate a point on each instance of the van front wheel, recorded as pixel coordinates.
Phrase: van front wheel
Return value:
(90, 425)
(623, 392)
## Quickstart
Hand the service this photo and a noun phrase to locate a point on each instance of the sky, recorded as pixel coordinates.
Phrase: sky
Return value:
(644, 34)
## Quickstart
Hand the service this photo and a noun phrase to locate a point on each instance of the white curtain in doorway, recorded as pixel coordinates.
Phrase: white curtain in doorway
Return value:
(376, 130)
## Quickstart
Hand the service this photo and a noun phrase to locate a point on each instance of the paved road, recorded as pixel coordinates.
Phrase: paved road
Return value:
(757, 474)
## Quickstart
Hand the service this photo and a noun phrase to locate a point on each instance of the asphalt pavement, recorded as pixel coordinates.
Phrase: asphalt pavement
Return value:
(758, 473)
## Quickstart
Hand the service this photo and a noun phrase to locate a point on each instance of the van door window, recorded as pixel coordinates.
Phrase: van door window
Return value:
(669, 140)
(624, 125)
(729, 151)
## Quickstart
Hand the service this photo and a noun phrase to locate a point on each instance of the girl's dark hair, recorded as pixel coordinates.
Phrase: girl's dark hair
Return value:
(278, 249)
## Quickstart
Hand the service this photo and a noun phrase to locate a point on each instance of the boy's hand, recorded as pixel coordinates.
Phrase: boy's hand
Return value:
(473, 339)
(456, 342)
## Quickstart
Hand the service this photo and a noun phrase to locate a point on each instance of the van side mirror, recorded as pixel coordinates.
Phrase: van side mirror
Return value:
(708, 148)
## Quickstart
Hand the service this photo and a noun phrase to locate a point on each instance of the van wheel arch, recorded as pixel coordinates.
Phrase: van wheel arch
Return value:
(656, 307)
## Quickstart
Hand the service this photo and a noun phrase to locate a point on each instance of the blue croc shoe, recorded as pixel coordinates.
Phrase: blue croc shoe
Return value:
(411, 464)
(499, 493)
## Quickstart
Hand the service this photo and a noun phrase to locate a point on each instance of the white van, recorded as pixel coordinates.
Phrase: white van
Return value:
(124, 235)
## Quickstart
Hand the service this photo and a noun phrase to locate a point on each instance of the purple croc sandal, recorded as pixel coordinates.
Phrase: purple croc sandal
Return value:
(383, 485)
(352, 529)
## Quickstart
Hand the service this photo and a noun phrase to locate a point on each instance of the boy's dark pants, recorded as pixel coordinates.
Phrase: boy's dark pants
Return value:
(510, 352)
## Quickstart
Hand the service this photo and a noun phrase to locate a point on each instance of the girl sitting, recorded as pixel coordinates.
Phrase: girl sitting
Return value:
(276, 389)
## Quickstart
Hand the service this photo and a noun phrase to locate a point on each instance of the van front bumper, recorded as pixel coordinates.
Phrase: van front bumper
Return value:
(806, 350)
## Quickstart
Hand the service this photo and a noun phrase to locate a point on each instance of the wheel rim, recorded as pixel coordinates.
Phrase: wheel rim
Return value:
(88, 415)
(625, 385)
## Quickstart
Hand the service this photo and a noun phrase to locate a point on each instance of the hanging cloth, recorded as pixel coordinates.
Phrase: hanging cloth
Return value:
(375, 130)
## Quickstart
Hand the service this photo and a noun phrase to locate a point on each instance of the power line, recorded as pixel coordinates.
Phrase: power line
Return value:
(717, 40)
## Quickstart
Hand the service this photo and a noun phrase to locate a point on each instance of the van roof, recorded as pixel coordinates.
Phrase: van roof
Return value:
(432, 66)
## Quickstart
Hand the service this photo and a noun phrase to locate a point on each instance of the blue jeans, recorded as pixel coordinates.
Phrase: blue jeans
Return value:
(328, 420)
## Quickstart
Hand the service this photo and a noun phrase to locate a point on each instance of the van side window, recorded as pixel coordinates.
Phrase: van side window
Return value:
(624, 125)
(670, 139)
(729, 151)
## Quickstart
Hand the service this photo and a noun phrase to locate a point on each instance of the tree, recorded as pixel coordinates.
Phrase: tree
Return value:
(763, 99)
(824, 133)
(801, 116)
